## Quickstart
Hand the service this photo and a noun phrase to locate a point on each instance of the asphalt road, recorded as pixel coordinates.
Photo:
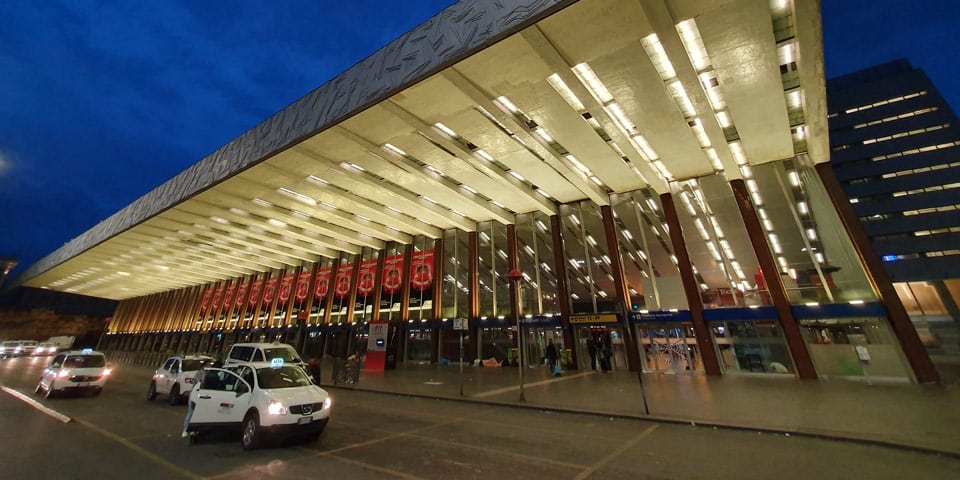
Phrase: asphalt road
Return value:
(120, 435)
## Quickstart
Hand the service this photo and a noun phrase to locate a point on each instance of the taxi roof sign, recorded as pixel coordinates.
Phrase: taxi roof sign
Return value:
(276, 362)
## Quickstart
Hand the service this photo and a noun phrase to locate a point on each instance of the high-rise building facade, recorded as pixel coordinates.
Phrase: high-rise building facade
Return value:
(896, 151)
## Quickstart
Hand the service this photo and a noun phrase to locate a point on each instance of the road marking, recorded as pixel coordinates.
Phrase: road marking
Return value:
(37, 405)
(616, 453)
(126, 443)
(498, 391)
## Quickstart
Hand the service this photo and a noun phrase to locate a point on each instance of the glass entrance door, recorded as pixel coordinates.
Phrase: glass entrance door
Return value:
(669, 348)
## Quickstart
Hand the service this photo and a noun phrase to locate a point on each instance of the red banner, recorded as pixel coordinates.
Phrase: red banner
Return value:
(228, 295)
(421, 270)
(322, 284)
(205, 299)
(242, 290)
(303, 286)
(392, 274)
(255, 288)
(215, 300)
(285, 286)
(368, 272)
(342, 283)
(270, 289)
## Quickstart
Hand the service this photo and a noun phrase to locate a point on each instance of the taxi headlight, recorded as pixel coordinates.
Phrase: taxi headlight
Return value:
(106, 372)
(327, 402)
(276, 408)
(63, 373)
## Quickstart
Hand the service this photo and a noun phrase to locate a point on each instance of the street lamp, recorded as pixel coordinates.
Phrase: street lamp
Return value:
(515, 276)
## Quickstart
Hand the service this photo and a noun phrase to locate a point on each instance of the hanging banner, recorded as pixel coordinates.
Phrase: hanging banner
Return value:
(421, 270)
(343, 280)
(303, 287)
(269, 291)
(242, 290)
(215, 300)
(421, 279)
(255, 288)
(368, 272)
(228, 294)
(322, 284)
(205, 299)
(286, 285)
(392, 275)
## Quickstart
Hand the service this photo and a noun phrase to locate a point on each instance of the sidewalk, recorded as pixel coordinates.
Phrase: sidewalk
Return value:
(923, 417)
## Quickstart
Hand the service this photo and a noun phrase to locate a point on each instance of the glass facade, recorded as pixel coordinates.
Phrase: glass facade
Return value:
(327, 305)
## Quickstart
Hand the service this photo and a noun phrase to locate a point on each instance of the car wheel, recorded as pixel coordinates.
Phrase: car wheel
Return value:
(251, 432)
(174, 394)
(152, 391)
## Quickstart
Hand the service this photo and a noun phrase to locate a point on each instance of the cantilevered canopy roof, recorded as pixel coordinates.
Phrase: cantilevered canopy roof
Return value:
(488, 110)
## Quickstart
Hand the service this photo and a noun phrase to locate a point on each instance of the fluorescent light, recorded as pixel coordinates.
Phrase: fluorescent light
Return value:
(506, 103)
(394, 149)
(557, 83)
(653, 47)
(690, 37)
(593, 83)
(297, 196)
(445, 129)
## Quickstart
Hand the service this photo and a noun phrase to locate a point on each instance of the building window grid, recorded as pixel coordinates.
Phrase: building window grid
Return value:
(885, 102)
(914, 151)
(896, 117)
(906, 134)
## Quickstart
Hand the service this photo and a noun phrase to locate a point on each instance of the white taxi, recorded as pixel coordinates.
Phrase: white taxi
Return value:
(76, 370)
(174, 378)
(263, 399)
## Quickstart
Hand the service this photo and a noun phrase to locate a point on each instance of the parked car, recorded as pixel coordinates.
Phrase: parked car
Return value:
(175, 377)
(263, 352)
(27, 347)
(77, 370)
(45, 348)
(262, 399)
(10, 348)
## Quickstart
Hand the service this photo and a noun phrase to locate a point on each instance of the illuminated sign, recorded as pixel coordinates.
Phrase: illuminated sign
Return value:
(594, 318)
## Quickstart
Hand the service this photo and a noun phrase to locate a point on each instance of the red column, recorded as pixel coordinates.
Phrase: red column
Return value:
(711, 365)
(917, 355)
(771, 273)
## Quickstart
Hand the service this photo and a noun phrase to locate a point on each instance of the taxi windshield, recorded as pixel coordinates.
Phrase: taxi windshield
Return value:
(288, 354)
(84, 361)
(287, 376)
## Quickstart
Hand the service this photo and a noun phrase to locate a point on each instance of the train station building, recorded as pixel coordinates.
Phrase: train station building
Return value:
(649, 178)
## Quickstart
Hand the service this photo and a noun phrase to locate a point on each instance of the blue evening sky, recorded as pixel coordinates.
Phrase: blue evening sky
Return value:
(101, 101)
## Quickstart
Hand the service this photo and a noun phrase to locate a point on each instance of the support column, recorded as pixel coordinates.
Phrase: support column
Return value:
(437, 291)
(620, 286)
(916, 354)
(473, 283)
(708, 352)
(778, 293)
(513, 264)
(563, 291)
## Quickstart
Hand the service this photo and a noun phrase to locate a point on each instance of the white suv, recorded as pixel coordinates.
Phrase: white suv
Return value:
(263, 352)
(174, 378)
(77, 370)
(263, 398)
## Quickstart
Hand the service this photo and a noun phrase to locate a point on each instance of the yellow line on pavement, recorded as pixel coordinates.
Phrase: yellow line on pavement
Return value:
(130, 445)
(616, 453)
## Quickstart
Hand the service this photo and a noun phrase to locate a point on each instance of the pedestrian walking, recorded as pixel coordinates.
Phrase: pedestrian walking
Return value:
(553, 358)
